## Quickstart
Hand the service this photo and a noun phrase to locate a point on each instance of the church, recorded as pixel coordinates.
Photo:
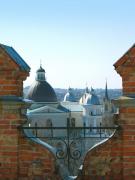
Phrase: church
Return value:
(47, 111)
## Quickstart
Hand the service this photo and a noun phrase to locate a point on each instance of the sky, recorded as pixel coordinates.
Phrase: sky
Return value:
(77, 41)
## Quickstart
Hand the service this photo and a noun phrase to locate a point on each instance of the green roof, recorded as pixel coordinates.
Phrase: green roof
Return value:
(16, 57)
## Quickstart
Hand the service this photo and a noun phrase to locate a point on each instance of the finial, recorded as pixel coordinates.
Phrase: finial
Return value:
(40, 63)
(69, 88)
(92, 90)
(86, 89)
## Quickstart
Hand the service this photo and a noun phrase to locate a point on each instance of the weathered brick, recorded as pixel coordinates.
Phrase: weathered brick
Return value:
(120, 154)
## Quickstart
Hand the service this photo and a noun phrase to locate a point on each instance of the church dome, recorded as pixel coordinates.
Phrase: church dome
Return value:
(69, 96)
(41, 90)
(93, 99)
(90, 98)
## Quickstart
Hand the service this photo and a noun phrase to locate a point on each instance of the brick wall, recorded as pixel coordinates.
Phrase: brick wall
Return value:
(20, 158)
(8, 140)
(115, 158)
(11, 84)
(35, 162)
(101, 161)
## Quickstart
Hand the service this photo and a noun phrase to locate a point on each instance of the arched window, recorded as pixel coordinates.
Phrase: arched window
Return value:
(48, 123)
(73, 122)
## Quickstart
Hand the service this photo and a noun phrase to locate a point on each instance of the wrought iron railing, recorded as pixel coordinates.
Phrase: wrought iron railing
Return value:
(102, 131)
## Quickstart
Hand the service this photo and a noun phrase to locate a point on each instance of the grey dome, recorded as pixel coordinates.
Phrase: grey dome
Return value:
(90, 97)
(93, 98)
(41, 91)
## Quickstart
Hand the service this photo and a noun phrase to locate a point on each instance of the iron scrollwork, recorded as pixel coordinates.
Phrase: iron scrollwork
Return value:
(61, 152)
(71, 149)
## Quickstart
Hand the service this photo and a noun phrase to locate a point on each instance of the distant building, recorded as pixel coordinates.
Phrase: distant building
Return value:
(93, 110)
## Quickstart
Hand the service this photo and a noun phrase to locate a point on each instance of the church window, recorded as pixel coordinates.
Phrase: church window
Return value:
(48, 123)
(48, 132)
(73, 122)
(90, 113)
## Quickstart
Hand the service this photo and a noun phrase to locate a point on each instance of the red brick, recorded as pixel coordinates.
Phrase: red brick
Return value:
(123, 110)
(8, 148)
(129, 159)
(9, 154)
(132, 133)
(129, 149)
(128, 84)
(129, 127)
(131, 110)
(129, 90)
(128, 165)
(10, 87)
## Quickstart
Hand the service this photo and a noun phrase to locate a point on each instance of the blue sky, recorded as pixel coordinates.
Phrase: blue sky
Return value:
(78, 41)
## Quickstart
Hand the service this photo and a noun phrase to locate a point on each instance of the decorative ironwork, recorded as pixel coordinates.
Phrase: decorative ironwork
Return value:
(80, 129)
(75, 153)
(72, 146)
(61, 152)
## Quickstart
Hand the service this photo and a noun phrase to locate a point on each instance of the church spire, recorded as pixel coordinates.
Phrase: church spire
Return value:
(106, 91)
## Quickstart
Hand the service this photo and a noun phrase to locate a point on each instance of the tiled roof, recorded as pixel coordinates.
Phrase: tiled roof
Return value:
(16, 57)
(41, 91)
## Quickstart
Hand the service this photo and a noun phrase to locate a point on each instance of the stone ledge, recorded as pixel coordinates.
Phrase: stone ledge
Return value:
(124, 101)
